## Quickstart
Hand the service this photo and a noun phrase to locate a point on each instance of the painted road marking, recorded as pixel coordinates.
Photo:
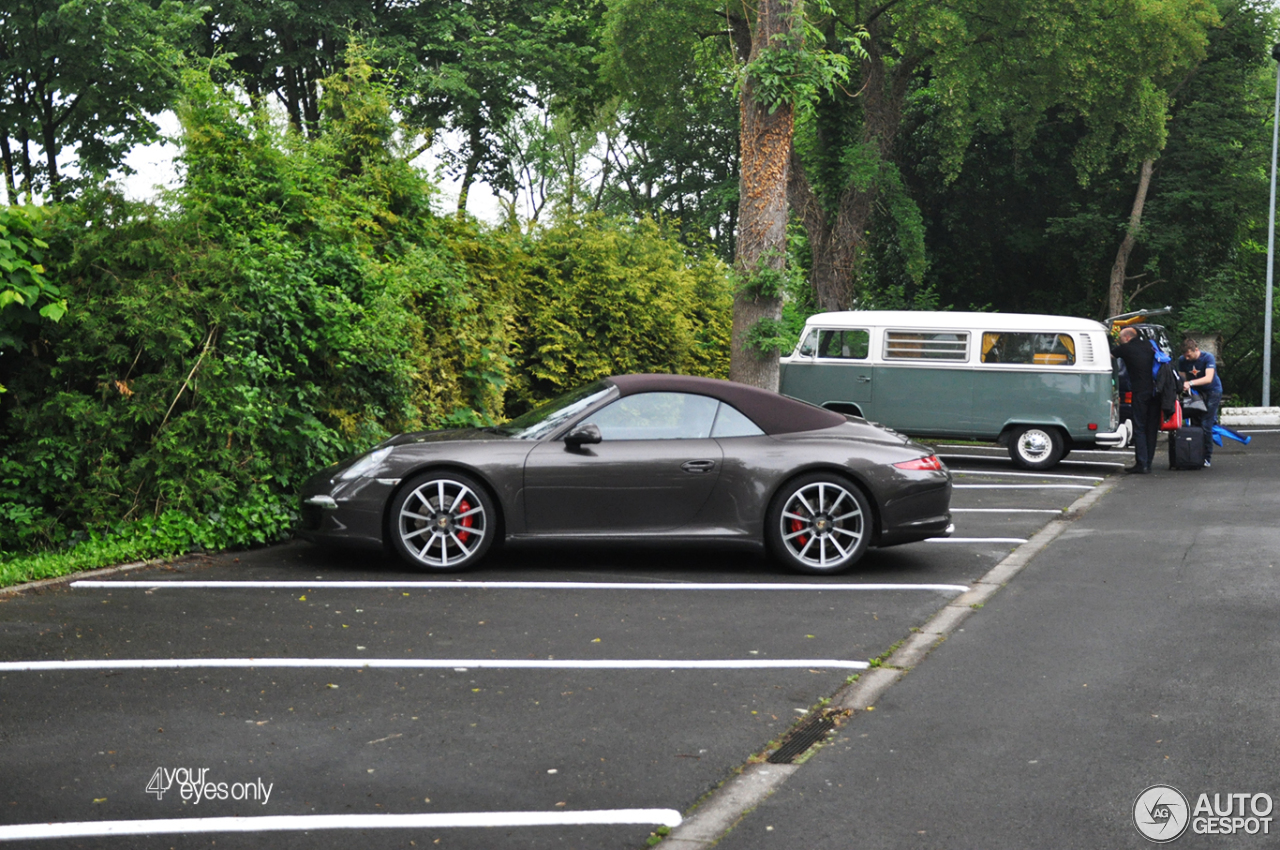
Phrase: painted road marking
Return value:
(434, 663)
(1002, 457)
(1005, 511)
(1022, 486)
(278, 823)
(1006, 452)
(975, 540)
(507, 585)
(1027, 474)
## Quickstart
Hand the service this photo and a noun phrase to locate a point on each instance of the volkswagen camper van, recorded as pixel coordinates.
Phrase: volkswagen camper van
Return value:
(1040, 385)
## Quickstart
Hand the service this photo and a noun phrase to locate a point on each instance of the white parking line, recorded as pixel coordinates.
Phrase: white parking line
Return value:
(1002, 457)
(1005, 452)
(1027, 474)
(280, 823)
(1005, 511)
(508, 585)
(434, 664)
(975, 540)
(1022, 486)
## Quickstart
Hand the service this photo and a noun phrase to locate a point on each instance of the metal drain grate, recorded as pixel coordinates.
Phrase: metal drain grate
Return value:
(805, 736)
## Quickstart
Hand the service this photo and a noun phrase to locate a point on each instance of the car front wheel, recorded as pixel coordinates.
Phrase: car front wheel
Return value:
(442, 521)
(819, 523)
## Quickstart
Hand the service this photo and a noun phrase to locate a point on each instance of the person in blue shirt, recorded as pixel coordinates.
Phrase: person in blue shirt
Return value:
(1201, 372)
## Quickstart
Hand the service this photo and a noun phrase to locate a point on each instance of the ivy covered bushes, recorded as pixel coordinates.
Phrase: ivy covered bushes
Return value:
(295, 301)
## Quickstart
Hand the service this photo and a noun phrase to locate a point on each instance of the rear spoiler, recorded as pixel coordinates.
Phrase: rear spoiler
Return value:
(1125, 319)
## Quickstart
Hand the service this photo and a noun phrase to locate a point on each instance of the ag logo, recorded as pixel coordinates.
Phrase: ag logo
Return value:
(1161, 813)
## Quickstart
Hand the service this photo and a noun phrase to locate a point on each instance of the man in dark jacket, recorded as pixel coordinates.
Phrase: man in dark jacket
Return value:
(1139, 357)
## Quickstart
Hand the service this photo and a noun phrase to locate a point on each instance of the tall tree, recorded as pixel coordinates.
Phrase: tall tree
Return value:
(1017, 230)
(980, 65)
(653, 46)
(83, 75)
(475, 66)
(283, 48)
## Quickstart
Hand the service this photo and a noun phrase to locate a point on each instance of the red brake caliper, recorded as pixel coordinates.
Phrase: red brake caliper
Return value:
(797, 525)
(466, 521)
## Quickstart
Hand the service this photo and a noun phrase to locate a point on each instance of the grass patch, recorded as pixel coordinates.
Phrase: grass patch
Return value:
(90, 555)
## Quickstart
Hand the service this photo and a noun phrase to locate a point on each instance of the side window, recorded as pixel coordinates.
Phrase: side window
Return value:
(926, 345)
(809, 345)
(1028, 349)
(730, 422)
(844, 345)
(657, 416)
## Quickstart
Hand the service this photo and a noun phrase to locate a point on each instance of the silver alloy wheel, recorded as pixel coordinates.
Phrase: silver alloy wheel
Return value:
(442, 523)
(822, 525)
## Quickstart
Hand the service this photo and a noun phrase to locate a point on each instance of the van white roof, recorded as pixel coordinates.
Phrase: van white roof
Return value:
(928, 319)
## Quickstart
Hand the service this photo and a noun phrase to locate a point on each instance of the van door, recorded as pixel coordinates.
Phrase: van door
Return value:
(925, 382)
(832, 366)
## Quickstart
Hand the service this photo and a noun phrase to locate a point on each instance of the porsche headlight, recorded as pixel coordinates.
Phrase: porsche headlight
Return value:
(365, 465)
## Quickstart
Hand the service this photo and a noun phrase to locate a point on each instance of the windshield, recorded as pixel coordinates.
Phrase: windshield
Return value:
(541, 421)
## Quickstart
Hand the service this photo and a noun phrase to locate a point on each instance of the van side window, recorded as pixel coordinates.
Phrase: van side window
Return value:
(844, 345)
(1029, 349)
(809, 345)
(926, 345)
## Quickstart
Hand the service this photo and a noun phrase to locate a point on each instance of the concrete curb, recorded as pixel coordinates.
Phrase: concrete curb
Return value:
(16, 589)
(727, 805)
(1245, 416)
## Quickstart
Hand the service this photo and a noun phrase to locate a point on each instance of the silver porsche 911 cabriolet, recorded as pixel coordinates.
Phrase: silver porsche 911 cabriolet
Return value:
(643, 459)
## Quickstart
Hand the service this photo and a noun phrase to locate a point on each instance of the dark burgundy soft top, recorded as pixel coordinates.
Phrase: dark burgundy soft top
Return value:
(775, 414)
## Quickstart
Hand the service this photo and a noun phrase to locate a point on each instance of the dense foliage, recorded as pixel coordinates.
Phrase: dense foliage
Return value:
(169, 370)
(299, 300)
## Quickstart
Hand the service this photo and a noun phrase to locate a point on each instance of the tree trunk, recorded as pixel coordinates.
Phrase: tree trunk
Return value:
(837, 237)
(28, 168)
(765, 149)
(10, 187)
(469, 172)
(1115, 297)
(49, 131)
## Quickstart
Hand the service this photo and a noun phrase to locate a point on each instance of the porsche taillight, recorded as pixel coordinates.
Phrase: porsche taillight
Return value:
(928, 463)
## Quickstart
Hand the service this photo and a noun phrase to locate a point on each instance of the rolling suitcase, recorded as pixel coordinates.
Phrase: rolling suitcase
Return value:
(1186, 448)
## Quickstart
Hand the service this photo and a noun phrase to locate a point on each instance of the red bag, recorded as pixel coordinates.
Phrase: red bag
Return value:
(1174, 422)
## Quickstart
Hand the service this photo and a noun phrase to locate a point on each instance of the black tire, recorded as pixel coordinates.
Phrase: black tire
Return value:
(1036, 446)
(815, 514)
(442, 521)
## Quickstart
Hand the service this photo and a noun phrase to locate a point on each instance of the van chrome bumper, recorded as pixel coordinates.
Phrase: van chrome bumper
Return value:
(1117, 438)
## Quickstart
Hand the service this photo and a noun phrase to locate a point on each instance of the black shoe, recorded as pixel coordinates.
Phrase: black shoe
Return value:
(1136, 469)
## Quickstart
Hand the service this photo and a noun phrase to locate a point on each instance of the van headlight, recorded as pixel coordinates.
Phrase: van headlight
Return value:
(365, 465)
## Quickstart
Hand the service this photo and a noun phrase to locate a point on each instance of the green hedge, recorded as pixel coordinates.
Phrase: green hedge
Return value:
(292, 302)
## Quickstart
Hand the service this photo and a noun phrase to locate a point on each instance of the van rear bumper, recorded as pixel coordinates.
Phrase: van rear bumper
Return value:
(1117, 438)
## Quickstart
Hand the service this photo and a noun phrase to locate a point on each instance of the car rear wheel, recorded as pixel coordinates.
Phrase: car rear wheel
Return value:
(1036, 447)
(442, 521)
(819, 523)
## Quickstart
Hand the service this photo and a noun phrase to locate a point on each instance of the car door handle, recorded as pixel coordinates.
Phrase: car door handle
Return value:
(698, 466)
(864, 379)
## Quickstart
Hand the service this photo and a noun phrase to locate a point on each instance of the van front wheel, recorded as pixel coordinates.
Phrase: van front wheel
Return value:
(1036, 447)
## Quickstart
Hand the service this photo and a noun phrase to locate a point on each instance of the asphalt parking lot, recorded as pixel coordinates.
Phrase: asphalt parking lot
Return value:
(548, 699)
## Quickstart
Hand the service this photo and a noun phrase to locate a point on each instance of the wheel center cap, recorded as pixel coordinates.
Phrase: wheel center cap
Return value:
(821, 524)
(442, 522)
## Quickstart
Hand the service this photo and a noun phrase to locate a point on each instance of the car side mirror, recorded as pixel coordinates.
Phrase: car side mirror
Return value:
(582, 435)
